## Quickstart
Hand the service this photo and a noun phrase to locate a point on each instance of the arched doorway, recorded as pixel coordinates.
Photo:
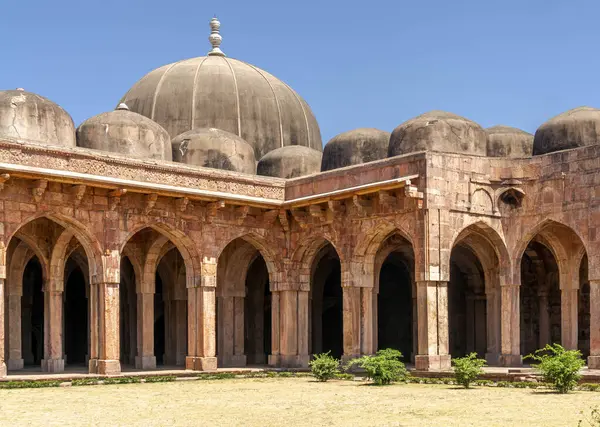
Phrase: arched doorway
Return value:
(32, 314)
(326, 294)
(76, 326)
(540, 298)
(244, 305)
(395, 302)
(467, 308)
(154, 317)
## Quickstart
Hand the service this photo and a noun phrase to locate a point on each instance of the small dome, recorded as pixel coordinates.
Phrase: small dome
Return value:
(355, 147)
(506, 141)
(578, 127)
(214, 148)
(438, 131)
(290, 162)
(25, 115)
(125, 132)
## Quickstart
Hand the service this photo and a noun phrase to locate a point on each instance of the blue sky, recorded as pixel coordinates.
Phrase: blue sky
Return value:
(358, 64)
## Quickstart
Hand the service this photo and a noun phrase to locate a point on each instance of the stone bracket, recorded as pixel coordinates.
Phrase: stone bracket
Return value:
(269, 216)
(283, 219)
(301, 217)
(182, 204)
(362, 205)
(78, 193)
(114, 198)
(150, 201)
(38, 189)
(241, 213)
(212, 209)
(3, 178)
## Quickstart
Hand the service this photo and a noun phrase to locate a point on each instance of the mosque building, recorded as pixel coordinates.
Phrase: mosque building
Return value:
(202, 224)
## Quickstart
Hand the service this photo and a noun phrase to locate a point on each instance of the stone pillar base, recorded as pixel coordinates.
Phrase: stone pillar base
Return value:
(93, 366)
(289, 361)
(194, 363)
(109, 367)
(593, 362)
(236, 361)
(15, 364)
(432, 362)
(145, 362)
(3, 371)
(510, 360)
(492, 359)
(53, 365)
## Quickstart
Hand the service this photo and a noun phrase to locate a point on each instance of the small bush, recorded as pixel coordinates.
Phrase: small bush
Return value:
(84, 381)
(122, 380)
(160, 379)
(324, 366)
(558, 366)
(384, 368)
(467, 369)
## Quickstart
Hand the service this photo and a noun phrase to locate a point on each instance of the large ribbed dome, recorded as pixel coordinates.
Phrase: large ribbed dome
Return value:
(224, 93)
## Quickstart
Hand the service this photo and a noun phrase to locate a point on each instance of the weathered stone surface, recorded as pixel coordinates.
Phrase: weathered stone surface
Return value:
(506, 141)
(25, 115)
(438, 131)
(228, 94)
(290, 162)
(125, 132)
(214, 148)
(578, 127)
(355, 147)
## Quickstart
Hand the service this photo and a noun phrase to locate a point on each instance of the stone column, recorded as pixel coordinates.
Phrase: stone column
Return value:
(180, 319)
(544, 337)
(569, 318)
(432, 316)
(274, 357)
(94, 327)
(352, 322)
(492, 302)
(366, 321)
(53, 331)
(2, 330)
(15, 356)
(510, 325)
(594, 358)
(202, 344)
(293, 328)
(145, 358)
(108, 329)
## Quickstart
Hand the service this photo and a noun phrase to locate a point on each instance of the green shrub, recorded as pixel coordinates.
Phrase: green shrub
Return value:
(324, 366)
(383, 368)
(122, 380)
(467, 369)
(160, 379)
(558, 366)
(84, 381)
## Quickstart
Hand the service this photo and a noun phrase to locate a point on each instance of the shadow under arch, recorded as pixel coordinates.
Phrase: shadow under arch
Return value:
(246, 275)
(550, 257)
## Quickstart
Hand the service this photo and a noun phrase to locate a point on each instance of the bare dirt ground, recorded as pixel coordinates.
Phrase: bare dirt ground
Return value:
(289, 402)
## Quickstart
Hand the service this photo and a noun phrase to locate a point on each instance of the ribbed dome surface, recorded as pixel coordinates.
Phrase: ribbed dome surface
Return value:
(506, 141)
(228, 94)
(28, 116)
(355, 147)
(578, 127)
(290, 162)
(214, 148)
(125, 132)
(438, 131)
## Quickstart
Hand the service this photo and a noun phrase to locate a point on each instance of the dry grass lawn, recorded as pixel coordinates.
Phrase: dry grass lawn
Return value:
(289, 402)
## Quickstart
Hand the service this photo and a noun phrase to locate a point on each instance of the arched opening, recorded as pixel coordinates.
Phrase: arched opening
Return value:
(467, 308)
(257, 312)
(244, 306)
(32, 314)
(76, 326)
(127, 313)
(153, 295)
(583, 315)
(395, 303)
(540, 298)
(327, 329)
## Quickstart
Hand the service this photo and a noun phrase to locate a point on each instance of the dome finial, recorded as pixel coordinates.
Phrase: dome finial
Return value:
(215, 38)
